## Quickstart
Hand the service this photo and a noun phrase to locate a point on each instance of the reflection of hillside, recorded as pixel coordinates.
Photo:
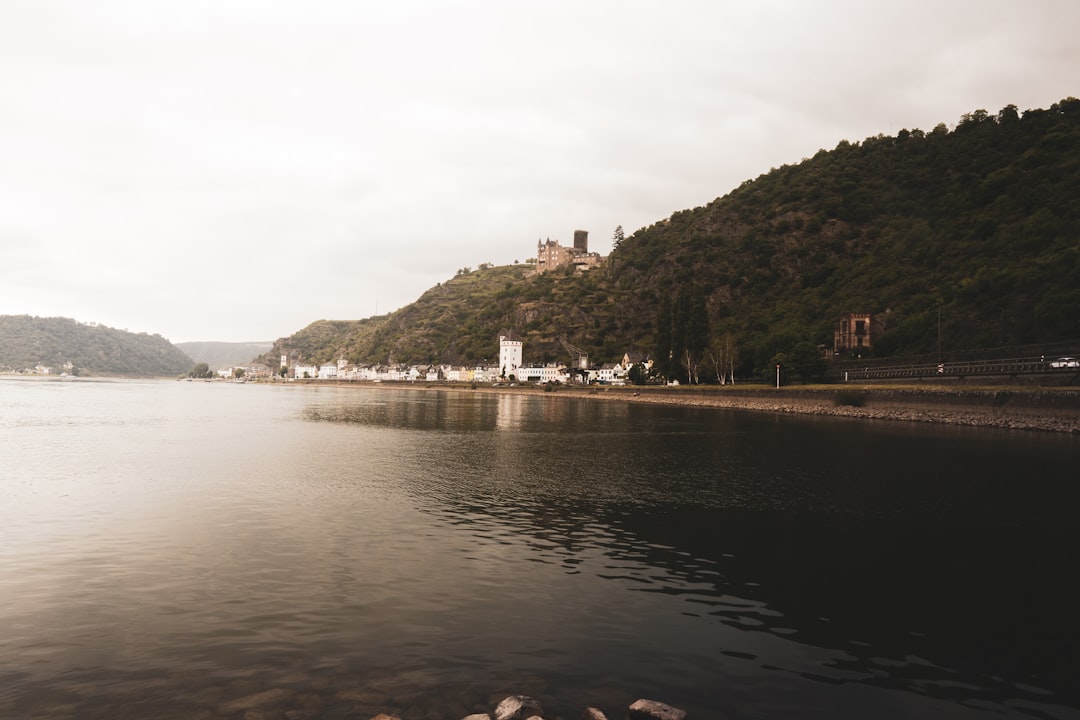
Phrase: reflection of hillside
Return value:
(923, 628)
(940, 621)
(842, 552)
(894, 581)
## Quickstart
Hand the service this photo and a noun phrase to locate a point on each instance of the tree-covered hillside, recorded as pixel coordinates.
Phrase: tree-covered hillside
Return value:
(981, 224)
(66, 345)
(967, 237)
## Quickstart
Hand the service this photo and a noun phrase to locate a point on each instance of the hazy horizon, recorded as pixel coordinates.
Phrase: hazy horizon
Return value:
(212, 171)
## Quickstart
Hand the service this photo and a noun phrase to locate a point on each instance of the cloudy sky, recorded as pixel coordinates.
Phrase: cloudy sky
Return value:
(234, 170)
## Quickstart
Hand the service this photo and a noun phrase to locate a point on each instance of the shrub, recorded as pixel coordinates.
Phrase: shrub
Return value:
(850, 398)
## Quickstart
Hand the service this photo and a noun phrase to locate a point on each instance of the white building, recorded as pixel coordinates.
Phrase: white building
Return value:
(509, 355)
(305, 371)
(545, 374)
(606, 373)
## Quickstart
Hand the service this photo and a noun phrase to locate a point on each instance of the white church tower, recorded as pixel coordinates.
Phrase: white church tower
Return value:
(509, 355)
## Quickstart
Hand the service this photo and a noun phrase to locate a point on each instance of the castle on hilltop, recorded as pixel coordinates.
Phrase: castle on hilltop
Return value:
(550, 254)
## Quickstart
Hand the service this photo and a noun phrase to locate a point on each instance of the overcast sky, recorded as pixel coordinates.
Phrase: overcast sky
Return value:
(234, 170)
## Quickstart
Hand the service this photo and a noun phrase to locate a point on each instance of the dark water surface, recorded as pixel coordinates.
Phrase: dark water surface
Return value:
(167, 548)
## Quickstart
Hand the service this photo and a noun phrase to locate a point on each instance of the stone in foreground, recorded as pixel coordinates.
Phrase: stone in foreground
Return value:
(653, 710)
(518, 707)
(592, 713)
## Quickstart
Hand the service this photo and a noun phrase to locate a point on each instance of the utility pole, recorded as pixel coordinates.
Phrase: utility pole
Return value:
(939, 333)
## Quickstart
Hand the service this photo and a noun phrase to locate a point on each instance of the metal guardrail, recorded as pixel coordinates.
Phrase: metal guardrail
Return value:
(1012, 366)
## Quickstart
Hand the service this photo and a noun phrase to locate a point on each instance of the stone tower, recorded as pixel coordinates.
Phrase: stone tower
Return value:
(581, 241)
(509, 354)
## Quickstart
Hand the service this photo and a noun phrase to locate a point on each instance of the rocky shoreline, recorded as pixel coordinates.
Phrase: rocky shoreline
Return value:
(267, 704)
(523, 707)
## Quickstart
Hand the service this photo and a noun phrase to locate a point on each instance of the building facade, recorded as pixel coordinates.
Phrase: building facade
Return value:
(855, 332)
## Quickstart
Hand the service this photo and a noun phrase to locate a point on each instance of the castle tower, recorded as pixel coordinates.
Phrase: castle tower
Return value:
(509, 354)
(581, 241)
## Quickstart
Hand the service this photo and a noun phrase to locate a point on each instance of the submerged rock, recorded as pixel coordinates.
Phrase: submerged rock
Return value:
(653, 710)
(257, 700)
(518, 707)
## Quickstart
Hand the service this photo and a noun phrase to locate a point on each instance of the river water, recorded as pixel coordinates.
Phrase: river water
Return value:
(207, 550)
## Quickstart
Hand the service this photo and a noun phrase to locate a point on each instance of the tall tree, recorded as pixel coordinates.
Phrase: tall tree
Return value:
(664, 350)
(720, 356)
(691, 331)
(682, 334)
(807, 361)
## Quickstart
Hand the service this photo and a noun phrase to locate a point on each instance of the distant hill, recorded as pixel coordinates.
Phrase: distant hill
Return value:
(219, 355)
(954, 239)
(77, 348)
(449, 323)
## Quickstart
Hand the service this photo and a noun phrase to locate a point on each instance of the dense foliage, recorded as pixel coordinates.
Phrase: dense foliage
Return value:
(65, 345)
(954, 239)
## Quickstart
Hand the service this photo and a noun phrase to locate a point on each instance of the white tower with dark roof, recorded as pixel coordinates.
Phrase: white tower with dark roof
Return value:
(509, 354)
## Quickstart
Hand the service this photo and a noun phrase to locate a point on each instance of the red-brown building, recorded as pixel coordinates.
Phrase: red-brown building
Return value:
(855, 332)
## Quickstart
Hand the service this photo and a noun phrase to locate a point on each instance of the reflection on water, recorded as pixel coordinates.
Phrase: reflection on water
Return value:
(360, 551)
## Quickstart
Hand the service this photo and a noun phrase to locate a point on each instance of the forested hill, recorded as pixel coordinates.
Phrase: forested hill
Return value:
(969, 237)
(65, 345)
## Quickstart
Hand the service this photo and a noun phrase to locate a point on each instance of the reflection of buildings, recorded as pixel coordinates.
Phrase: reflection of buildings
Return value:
(510, 411)
(855, 332)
